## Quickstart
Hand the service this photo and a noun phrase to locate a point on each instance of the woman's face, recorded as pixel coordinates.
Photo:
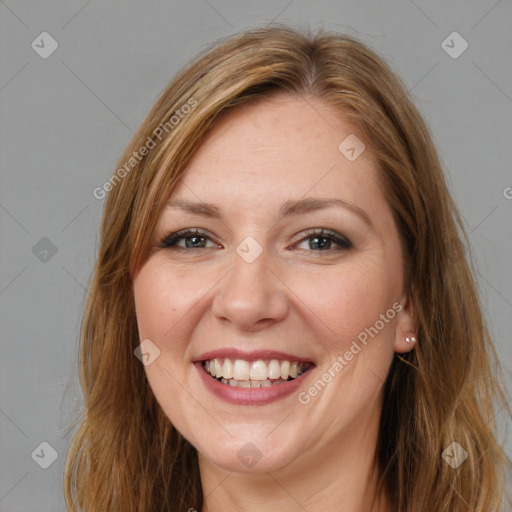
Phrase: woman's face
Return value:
(293, 265)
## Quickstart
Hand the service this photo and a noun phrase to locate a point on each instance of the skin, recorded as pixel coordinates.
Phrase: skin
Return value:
(295, 297)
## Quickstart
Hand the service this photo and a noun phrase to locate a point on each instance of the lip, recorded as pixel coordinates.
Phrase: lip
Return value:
(233, 353)
(251, 396)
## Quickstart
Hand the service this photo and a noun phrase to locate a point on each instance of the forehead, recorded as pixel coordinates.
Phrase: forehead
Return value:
(281, 148)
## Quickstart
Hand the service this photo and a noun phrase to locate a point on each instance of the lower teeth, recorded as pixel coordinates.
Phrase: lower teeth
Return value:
(252, 383)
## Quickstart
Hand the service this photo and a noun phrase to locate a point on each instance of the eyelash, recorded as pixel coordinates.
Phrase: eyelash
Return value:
(169, 241)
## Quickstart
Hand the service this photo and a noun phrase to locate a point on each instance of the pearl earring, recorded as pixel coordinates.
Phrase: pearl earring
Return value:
(410, 339)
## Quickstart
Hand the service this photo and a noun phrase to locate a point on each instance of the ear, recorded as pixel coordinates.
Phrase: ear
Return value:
(405, 334)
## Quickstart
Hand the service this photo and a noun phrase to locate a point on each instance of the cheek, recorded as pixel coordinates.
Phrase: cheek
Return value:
(165, 298)
(160, 297)
(158, 308)
(343, 302)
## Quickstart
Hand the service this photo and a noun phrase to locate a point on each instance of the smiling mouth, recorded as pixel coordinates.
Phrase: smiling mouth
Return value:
(241, 373)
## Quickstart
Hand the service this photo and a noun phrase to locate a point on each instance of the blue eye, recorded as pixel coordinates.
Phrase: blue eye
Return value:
(193, 239)
(322, 240)
(319, 240)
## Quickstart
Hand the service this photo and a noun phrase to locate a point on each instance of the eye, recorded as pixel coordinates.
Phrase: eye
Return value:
(317, 240)
(187, 239)
(322, 240)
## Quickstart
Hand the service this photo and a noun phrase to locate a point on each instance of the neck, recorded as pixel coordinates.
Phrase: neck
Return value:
(341, 476)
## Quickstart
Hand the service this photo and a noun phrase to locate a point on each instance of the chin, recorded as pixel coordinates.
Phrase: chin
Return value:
(243, 456)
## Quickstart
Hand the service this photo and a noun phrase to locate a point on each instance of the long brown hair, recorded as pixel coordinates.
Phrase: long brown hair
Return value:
(126, 456)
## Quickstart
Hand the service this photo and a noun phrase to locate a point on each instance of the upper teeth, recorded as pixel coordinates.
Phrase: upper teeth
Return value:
(242, 370)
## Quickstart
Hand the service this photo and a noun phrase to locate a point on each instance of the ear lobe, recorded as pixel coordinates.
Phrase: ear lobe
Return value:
(405, 333)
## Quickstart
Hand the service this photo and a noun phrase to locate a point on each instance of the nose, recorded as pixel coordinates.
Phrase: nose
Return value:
(250, 296)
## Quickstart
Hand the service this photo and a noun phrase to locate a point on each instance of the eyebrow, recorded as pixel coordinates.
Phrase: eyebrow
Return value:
(289, 208)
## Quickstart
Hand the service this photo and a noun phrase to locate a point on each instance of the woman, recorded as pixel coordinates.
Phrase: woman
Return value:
(282, 316)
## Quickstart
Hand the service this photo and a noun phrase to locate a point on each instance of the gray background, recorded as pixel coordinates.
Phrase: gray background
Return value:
(66, 119)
